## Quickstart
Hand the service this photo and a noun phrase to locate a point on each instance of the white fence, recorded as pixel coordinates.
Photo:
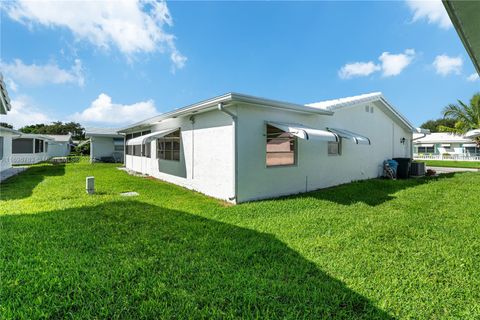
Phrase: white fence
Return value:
(456, 157)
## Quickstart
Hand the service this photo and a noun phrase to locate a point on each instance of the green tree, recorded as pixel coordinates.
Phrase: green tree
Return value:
(466, 116)
(6, 125)
(434, 125)
(57, 127)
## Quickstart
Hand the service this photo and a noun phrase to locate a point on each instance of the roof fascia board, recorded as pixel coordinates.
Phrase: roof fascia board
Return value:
(450, 7)
(211, 104)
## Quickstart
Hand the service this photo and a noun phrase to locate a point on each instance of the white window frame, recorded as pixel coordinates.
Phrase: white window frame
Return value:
(295, 149)
(339, 148)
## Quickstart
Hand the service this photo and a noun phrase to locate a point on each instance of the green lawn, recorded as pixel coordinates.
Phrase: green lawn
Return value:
(452, 163)
(374, 249)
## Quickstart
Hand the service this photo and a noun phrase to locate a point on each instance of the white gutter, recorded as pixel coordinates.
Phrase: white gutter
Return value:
(221, 107)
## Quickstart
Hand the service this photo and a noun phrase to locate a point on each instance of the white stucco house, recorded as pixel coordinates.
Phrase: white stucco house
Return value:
(59, 145)
(445, 146)
(6, 136)
(106, 144)
(240, 148)
(34, 148)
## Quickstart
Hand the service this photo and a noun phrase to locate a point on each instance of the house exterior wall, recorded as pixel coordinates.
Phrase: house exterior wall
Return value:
(101, 147)
(315, 168)
(206, 155)
(6, 161)
(58, 149)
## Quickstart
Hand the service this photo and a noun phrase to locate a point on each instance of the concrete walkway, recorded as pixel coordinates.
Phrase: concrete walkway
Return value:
(450, 170)
(4, 175)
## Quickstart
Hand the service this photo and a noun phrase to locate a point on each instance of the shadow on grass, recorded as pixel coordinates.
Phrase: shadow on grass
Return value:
(22, 185)
(128, 259)
(372, 192)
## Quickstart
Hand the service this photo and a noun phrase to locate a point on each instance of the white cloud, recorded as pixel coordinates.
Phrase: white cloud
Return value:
(103, 111)
(444, 65)
(473, 77)
(24, 113)
(431, 10)
(393, 64)
(358, 69)
(390, 64)
(133, 26)
(42, 74)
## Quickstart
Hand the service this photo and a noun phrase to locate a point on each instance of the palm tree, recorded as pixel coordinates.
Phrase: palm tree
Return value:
(467, 117)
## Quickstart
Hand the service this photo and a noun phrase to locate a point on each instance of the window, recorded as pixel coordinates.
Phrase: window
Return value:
(147, 149)
(334, 148)
(281, 147)
(46, 146)
(426, 149)
(136, 150)
(118, 144)
(168, 147)
(472, 150)
(1, 148)
(38, 146)
(22, 145)
(135, 134)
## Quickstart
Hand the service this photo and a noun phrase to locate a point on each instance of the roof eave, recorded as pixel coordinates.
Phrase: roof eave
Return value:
(228, 98)
(105, 135)
(450, 7)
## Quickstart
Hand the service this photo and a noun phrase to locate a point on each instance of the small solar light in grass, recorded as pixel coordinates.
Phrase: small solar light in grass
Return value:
(90, 185)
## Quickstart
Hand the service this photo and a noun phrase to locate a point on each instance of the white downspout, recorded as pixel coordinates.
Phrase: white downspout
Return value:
(192, 120)
(221, 108)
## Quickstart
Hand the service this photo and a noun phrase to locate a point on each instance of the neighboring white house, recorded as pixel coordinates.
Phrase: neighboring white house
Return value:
(33, 148)
(6, 136)
(105, 144)
(240, 148)
(443, 145)
(30, 148)
(60, 145)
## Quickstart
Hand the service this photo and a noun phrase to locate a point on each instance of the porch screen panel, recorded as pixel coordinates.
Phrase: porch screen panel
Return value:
(147, 149)
(137, 150)
(168, 147)
(22, 145)
(1, 148)
(38, 146)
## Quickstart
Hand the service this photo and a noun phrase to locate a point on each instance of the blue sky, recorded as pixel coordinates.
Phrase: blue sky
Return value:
(111, 65)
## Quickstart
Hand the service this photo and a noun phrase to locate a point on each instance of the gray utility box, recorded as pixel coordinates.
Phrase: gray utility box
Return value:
(417, 169)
